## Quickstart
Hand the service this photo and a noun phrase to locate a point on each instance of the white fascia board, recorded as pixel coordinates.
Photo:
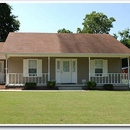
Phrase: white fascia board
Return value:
(68, 55)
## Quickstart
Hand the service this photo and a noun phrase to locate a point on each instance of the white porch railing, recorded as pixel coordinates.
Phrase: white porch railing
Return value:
(19, 79)
(109, 78)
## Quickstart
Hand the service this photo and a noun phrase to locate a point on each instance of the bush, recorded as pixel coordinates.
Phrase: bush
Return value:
(91, 85)
(30, 86)
(51, 84)
(108, 86)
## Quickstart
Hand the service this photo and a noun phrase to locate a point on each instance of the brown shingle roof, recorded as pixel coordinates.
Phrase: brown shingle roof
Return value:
(62, 43)
(2, 56)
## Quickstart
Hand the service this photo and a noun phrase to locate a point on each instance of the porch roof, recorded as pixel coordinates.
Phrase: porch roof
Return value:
(63, 43)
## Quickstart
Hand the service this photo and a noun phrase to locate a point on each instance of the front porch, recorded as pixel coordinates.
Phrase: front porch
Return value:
(68, 72)
(119, 80)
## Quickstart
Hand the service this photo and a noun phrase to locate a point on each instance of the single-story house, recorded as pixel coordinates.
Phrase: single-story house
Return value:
(69, 59)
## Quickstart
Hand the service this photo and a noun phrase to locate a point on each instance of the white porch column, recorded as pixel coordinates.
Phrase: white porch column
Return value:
(89, 67)
(48, 68)
(6, 70)
(128, 72)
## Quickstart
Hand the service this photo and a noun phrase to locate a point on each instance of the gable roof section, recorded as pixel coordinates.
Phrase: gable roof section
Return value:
(2, 56)
(63, 43)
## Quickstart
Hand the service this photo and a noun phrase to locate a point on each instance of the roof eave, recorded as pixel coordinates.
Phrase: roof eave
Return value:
(121, 55)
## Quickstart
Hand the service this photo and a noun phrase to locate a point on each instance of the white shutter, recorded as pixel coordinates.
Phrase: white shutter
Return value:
(105, 68)
(25, 68)
(39, 68)
(92, 67)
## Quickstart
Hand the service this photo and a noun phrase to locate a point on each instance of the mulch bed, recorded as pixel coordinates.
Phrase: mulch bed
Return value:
(22, 88)
(11, 87)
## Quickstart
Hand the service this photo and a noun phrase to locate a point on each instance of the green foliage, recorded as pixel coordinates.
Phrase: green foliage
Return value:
(115, 36)
(30, 86)
(108, 86)
(8, 21)
(125, 37)
(51, 84)
(91, 85)
(96, 22)
(64, 31)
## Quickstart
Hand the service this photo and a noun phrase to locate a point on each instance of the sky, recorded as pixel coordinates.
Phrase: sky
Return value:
(50, 17)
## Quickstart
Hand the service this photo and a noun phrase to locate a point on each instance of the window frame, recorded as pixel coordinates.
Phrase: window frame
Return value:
(98, 74)
(36, 68)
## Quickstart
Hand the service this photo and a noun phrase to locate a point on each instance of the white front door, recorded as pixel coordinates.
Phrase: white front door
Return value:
(66, 70)
(1, 71)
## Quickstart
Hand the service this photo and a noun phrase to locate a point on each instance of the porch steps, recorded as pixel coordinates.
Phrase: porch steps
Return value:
(70, 86)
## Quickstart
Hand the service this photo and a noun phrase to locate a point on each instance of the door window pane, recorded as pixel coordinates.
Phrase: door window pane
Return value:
(74, 66)
(58, 66)
(66, 66)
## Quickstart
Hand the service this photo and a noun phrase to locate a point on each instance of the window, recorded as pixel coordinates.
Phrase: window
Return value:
(98, 67)
(66, 66)
(32, 67)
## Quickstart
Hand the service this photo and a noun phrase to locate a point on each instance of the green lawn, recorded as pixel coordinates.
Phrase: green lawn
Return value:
(86, 107)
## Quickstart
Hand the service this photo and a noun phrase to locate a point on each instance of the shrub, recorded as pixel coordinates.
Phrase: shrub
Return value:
(91, 85)
(108, 86)
(51, 84)
(30, 86)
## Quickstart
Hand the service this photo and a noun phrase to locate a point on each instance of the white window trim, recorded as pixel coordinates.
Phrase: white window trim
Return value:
(37, 68)
(98, 68)
(93, 67)
(26, 67)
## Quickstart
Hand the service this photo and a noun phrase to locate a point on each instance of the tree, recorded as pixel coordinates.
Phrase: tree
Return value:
(115, 36)
(8, 21)
(64, 31)
(125, 37)
(96, 23)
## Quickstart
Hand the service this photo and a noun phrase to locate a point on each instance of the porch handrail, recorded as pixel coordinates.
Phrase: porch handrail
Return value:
(112, 78)
(20, 79)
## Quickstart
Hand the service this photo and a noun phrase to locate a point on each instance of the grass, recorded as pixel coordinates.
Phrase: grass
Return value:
(87, 107)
